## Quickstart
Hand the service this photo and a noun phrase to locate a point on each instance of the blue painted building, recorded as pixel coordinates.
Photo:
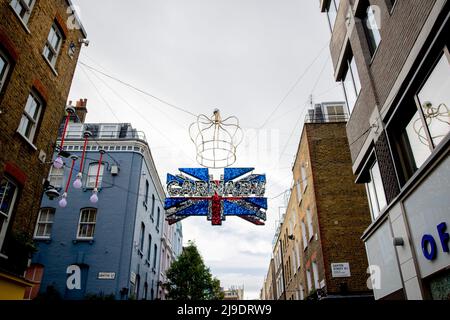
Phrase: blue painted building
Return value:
(112, 247)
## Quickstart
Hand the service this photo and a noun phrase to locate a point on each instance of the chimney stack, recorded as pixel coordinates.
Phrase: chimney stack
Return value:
(81, 109)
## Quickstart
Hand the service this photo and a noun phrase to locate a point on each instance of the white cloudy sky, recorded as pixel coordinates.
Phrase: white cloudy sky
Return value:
(241, 56)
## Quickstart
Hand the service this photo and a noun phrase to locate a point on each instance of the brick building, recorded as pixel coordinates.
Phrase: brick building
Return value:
(393, 59)
(40, 42)
(320, 233)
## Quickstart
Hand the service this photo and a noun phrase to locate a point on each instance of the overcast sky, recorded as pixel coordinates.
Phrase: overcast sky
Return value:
(241, 56)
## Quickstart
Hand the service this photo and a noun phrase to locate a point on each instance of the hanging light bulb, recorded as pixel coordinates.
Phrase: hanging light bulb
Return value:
(77, 184)
(58, 163)
(63, 201)
(94, 197)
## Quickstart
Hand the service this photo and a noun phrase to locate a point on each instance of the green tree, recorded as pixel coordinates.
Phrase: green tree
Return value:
(189, 279)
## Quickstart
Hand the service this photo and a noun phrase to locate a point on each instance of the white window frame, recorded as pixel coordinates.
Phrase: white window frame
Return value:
(90, 178)
(29, 118)
(46, 223)
(309, 280)
(53, 174)
(335, 116)
(304, 177)
(332, 23)
(7, 215)
(28, 9)
(86, 223)
(304, 236)
(355, 85)
(309, 220)
(316, 275)
(49, 46)
(375, 204)
(75, 130)
(7, 67)
(299, 191)
(111, 134)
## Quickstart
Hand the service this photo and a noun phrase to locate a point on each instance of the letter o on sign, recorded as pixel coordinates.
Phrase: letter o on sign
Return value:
(429, 247)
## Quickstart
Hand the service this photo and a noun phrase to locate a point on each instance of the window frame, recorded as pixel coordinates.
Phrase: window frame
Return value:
(46, 223)
(7, 216)
(309, 220)
(370, 33)
(51, 175)
(27, 7)
(86, 223)
(54, 51)
(332, 2)
(380, 210)
(350, 61)
(29, 118)
(100, 175)
(7, 68)
(304, 236)
(116, 131)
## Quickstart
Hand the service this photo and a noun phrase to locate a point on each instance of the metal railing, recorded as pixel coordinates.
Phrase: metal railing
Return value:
(318, 118)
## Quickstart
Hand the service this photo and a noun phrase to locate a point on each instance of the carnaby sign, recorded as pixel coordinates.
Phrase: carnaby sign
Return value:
(194, 192)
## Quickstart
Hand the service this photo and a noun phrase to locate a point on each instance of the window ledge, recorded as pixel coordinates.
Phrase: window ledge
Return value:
(50, 65)
(88, 240)
(27, 140)
(20, 19)
(3, 256)
(43, 239)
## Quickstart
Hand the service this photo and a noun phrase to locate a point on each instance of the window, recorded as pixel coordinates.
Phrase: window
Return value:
(371, 29)
(332, 12)
(297, 250)
(153, 205)
(56, 177)
(75, 130)
(309, 220)
(375, 190)
(23, 9)
(434, 100)
(316, 275)
(302, 293)
(53, 45)
(30, 117)
(335, 113)
(352, 84)
(4, 68)
(155, 256)
(298, 186)
(147, 188)
(45, 223)
(86, 226)
(308, 280)
(109, 131)
(157, 218)
(141, 238)
(92, 175)
(8, 195)
(149, 250)
(304, 236)
(304, 177)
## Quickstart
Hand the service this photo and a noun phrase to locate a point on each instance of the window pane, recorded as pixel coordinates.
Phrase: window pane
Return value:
(7, 192)
(332, 12)
(372, 30)
(355, 74)
(417, 139)
(3, 66)
(378, 184)
(435, 100)
(373, 200)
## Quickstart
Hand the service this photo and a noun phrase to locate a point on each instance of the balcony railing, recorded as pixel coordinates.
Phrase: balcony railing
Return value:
(319, 118)
(102, 132)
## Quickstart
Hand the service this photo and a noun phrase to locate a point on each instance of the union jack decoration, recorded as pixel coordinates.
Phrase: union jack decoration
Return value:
(194, 192)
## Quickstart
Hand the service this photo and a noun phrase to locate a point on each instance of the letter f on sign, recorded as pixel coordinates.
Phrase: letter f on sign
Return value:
(74, 279)
(444, 236)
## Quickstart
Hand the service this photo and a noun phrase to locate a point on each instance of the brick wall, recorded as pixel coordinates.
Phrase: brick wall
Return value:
(32, 71)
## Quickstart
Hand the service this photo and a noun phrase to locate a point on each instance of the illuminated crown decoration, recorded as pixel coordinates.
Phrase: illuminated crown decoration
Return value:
(216, 140)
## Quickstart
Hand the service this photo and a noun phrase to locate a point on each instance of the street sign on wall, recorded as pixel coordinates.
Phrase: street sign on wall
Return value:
(340, 270)
(238, 192)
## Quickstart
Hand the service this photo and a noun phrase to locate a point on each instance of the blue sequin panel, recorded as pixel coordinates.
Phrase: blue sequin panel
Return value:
(199, 173)
(233, 173)
(198, 208)
(230, 208)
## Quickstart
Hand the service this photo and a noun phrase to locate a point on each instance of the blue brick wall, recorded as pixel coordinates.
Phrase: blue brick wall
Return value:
(119, 217)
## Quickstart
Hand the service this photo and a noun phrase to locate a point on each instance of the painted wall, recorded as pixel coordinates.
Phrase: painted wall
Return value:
(113, 250)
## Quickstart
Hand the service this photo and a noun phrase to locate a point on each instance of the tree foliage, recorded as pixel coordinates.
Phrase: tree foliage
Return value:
(189, 279)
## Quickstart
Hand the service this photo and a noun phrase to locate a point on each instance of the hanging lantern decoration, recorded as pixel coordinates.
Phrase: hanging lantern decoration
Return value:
(77, 184)
(216, 140)
(63, 201)
(94, 197)
(58, 163)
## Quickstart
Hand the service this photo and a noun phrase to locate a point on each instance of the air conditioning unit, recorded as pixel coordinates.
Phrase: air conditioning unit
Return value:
(115, 170)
